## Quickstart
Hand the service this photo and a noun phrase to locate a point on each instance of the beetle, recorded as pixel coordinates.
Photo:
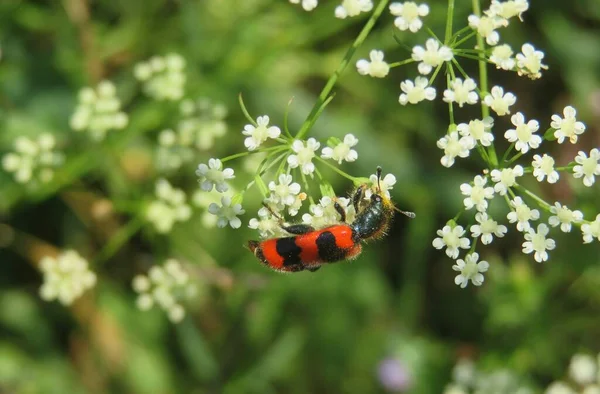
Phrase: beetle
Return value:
(308, 248)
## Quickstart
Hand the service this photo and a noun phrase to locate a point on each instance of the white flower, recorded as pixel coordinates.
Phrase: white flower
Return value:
(285, 192)
(169, 207)
(461, 93)
(415, 92)
(588, 167)
(66, 277)
(350, 8)
(564, 217)
(559, 388)
(487, 228)
(567, 127)
(470, 270)
(500, 102)
(502, 57)
(508, 9)
(33, 159)
(409, 15)
(324, 213)
(99, 111)
(166, 286)
(453, 147)
(376, 68)
(486, 27)
(308, 5)
(431, 56)
(227, 213)
(583, 369)
(591, 230)
(452, 239)
(213, 174)
(529, 62)
(163, 78)
(591, 389)
(386, 183)
(537, 241)
(523, 135)
(304, 155)
(522, 214)
(342, 151)
(260, 133)
(478, 194)
(544, 166)
(267, 225)
(478, 131)
(506, 178)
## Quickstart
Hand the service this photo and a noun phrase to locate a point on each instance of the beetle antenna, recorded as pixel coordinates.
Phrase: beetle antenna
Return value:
(379, 179)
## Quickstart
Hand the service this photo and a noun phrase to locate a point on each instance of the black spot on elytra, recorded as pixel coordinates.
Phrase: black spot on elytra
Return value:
(287, 248)
(328, 250)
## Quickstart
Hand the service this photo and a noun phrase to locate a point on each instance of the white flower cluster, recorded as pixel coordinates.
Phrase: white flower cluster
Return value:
(169, 207)
(167, 286)
(163, 77)
(33, 159)
(348, 8)
(467, 379)
(201, 124)
(584, 373)
(66, 277)
(99, 111)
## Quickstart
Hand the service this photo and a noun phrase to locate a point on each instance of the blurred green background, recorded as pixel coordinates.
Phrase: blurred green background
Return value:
(251, 330)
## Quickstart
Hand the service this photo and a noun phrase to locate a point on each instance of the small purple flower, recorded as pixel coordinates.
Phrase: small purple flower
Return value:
(393, 375)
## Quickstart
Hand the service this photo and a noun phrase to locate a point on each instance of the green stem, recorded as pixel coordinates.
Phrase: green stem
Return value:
(449, 19)
(483, 81)
(402, 63)
(543, 204)
(464, 39)
(450, 107)
(354, 180)
(311, 118)
(119, 239)
(510, 148)
(245, 111)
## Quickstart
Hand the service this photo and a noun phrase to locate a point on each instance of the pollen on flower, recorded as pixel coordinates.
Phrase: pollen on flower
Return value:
(508, 9)
(304, 153)
(99, 111)
(567, 127)
(376, 67)
(267, 225)
(564, 217)
(470, 270)
(33, 159)
(522, 214)
(523, 134)
(506, 178)
(227, 213)
(587, 167)
(66, 277)
(213, 174)
(486, 27)
(417, 91)
(478, 131)
(543, 166)
(500, 102)
(477, 194)
(453, 147)
(431, 56)
(163, 78)
(169, 207)
(537, 241)
(259, 133)
(342, 151)
(452, 239)
(283, 193)
(350, 8)
(461, 92)
(167, 286)
(502, 57)
(529, 62)
(386, 184)
(408, 15)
